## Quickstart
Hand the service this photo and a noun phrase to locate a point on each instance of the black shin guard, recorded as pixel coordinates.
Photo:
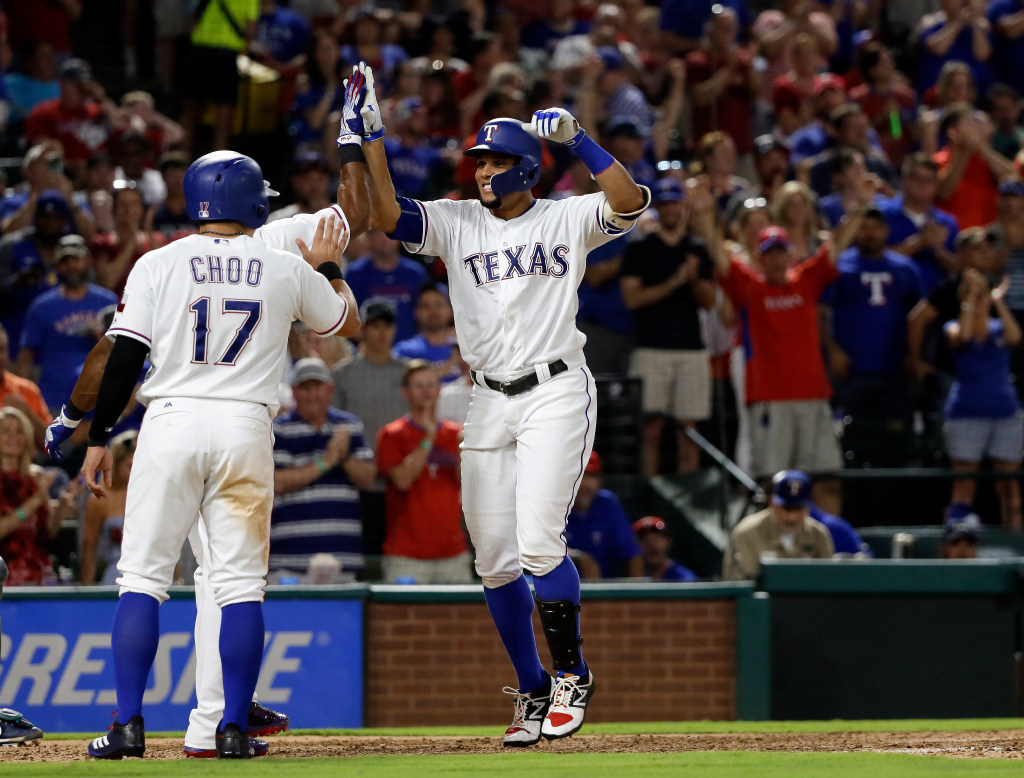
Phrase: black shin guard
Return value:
(558, 618)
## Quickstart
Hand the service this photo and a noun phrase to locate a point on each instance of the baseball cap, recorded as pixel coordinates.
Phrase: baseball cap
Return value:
(623, 126)
(310, 160)
(1012, 188)
(961, 523)
(974, 236)
(75, 69)
(594, 465)
(772, 237)
(827, 81)
(768, 142)
(311, 369)
(612, 57)
(378, 308)
(52, 201)
(791, 489)
(71, 246)
(648, 523)
(667, 190)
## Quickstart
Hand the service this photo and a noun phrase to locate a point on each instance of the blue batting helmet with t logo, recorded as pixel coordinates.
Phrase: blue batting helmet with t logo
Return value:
(227, 186)
(507, 136)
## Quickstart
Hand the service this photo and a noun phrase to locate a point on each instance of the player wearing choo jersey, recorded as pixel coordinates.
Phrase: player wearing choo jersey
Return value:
(213, 312)
(514, 266)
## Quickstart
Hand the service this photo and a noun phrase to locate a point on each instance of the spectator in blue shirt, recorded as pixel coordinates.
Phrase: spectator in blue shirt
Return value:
(983, 414)
(282, 36)
(919, 230)
(599, 532)
(321, 462)
(1008, 41)
(61, 324)
(35, 82)
(435, 338)
(655, 541)
(384, 272)
(683, 21)
(829, 93)
(557, 24)
(417, 169)
(875, 290)
(957, 33)
(844, 537)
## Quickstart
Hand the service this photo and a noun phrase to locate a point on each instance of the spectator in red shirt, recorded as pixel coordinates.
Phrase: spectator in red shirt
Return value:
(787, 388)
(83, 118)
(792, 91)
(722, 82)
(886, 100)
(419, 456)
(117, 252)
(969, 168)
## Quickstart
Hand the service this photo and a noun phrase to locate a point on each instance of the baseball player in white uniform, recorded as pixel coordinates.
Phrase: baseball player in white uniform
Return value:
(213, 311)
(514, 266)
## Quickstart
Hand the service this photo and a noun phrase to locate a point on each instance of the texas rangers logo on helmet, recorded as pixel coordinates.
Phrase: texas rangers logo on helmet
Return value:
(204, 210)
(489, 130)
(794, 487)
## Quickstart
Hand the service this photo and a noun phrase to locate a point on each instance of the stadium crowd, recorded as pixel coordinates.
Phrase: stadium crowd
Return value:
(832, 272)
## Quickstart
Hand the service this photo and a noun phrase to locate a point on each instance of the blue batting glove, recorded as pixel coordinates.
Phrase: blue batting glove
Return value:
(352, 128)
(57, 433)
(372, 119)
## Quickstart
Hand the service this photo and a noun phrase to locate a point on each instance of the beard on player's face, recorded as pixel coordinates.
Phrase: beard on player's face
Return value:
(493, 204)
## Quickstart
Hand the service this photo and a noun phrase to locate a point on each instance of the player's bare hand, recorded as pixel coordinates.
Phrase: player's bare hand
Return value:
(337, 447)
(97, 469)
(555, 124)
(328, 243)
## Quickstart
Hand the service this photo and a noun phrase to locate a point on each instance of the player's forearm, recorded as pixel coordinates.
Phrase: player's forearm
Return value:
(83, 396)
(354, 196)
(123, 367)
(352, 325)
(624, 196)
(384, 207)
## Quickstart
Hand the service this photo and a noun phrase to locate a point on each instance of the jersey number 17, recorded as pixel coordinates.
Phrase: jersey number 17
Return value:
(252, 309)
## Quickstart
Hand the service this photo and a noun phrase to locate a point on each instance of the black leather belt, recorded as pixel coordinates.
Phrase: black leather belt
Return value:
(520, 385)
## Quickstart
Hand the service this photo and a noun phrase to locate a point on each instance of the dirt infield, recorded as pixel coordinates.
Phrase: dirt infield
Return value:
(1006, 744)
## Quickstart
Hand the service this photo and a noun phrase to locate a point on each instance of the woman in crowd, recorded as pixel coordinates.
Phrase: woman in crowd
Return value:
(795, 209)
(104, 516)
(28, 517)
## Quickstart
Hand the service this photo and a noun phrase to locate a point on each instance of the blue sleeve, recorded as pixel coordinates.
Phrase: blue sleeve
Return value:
(411, 226)
(844, 538)
(954, 228)
(33, 328)
(625, 541)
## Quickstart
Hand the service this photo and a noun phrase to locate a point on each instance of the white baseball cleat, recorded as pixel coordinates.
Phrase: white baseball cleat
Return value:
(530, 710)
(568, 705)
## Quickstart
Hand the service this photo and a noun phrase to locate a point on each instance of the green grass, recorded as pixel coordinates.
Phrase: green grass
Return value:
(537, 765)
(658, 728)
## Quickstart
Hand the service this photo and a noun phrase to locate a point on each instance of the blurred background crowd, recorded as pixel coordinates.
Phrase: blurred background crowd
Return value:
(759, 128)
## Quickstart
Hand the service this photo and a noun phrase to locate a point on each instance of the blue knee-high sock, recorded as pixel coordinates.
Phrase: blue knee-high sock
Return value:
(511, 608)
(241, 651)
(563, 583)
(134, 638)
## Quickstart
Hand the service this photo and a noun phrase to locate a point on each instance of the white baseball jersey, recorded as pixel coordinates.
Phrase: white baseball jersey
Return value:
(281, 234)
(513, 283)
(216, 314)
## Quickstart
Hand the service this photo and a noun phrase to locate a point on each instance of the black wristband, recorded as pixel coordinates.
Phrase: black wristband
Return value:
(91, 441)
(351, 152)
(72, 411)
(330, 270)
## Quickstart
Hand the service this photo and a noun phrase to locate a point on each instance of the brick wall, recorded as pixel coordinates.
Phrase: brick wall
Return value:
(654, 660)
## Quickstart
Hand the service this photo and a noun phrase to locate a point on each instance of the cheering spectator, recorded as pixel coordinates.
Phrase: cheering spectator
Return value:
(366, 32)
(1004, 109)
(851, 128)
(28, 260)
(666, 279)
(83, 119)
(626, 139)
(812, 139)
(886, 100)
(783, 530)
(969, 168)
(917, 229)
(117, 251)
(655, 542)
(955, 85)
(21, 393)
(36, 81)
(721, 81)
(419, 455)
(318, 90)
(599, 531)
(775, 31)
(849, 176)
(28, 517)
(384, 272)
(171, 218)
(60, 324)
(771, 164)
(1007, 20)
(870, 300)
(133, 154)
(795, 209)
(716, 163)
(417, 168)
(558, 22)
(983, 414)
(787, 389)
(683, 22)
(959, 32)
(161, 132)
(620, 95)
(43, 169)
(433, 342)
(792, 91)
(311, 181)
(320, 461)
(104, 516)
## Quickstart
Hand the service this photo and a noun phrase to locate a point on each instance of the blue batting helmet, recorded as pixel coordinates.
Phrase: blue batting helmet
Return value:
(227, 186)
(507, 136)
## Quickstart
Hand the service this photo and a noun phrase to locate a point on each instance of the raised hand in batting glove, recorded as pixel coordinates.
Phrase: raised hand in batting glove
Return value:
(557, 124)
(373, 122)
(352, 127)
(60, 429)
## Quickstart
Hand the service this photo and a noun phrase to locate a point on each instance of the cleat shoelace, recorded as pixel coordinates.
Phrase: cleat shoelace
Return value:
(519, 700)
(566, 690)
